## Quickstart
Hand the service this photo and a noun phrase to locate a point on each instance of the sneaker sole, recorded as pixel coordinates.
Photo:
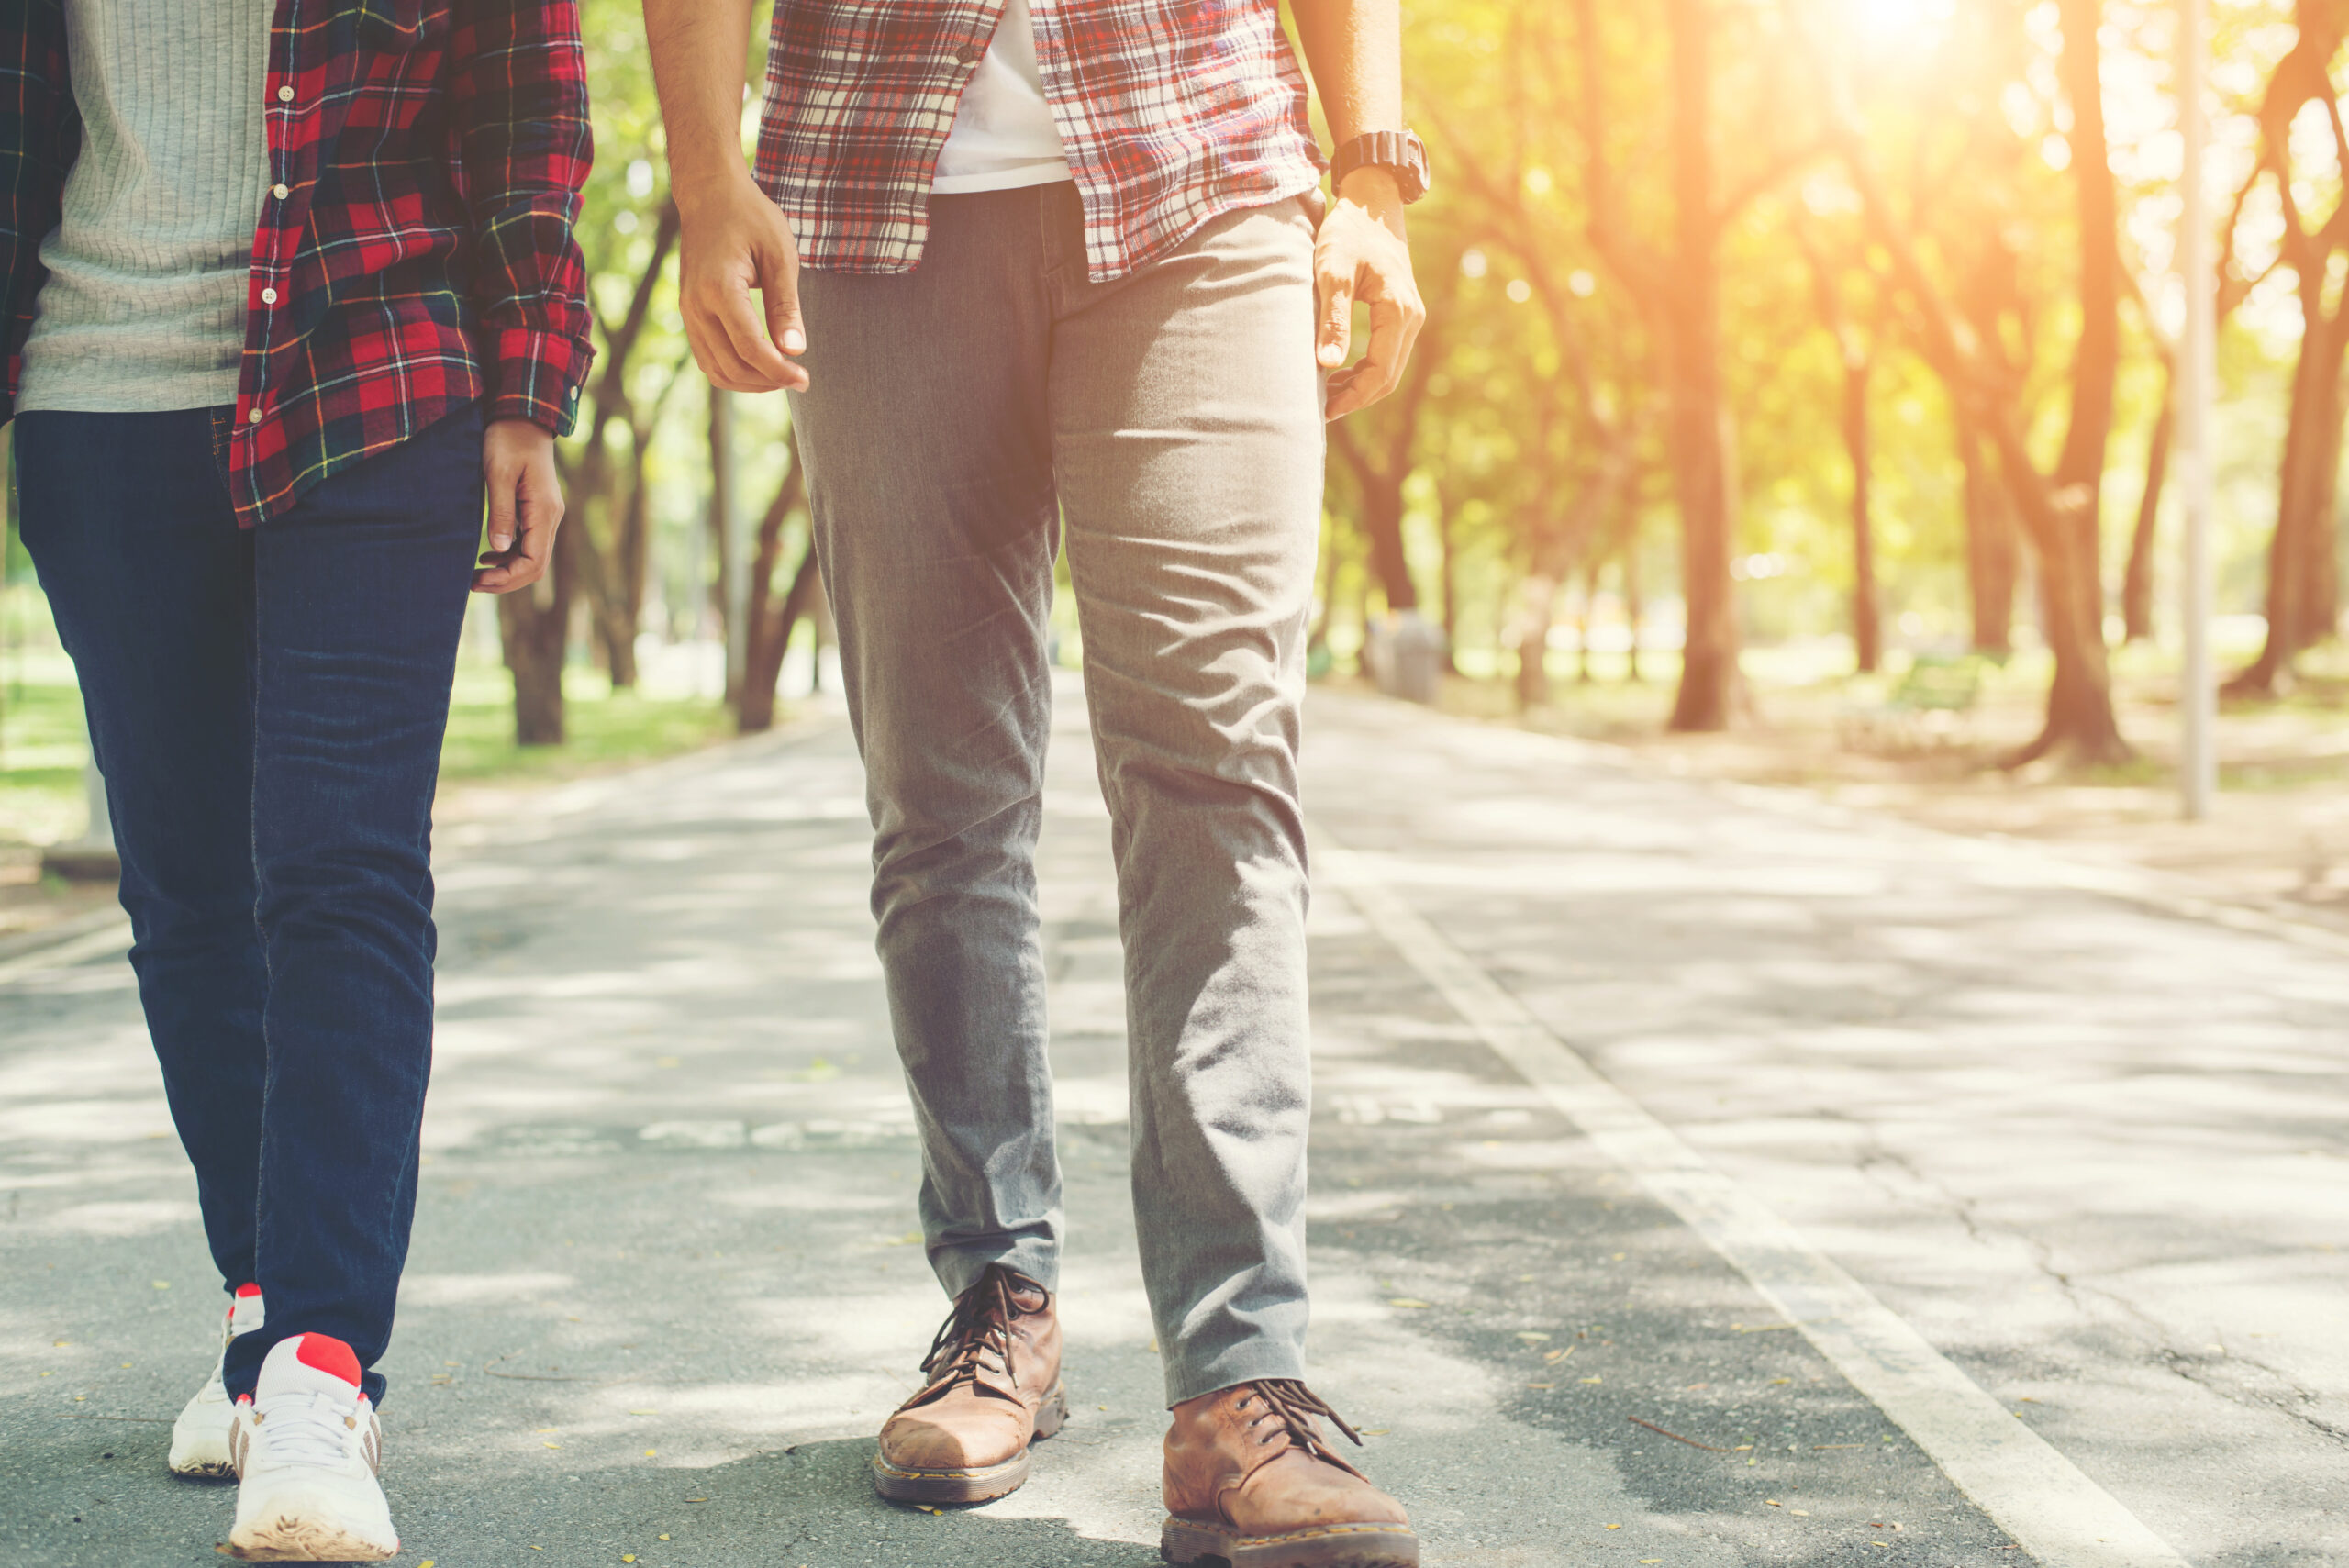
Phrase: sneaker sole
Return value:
(1326, 1546)
(205, 1470)
(980, 1486)
(288, 1539)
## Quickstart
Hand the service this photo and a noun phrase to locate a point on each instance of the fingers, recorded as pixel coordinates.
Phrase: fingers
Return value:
(745, 331)
(741, 345)
(779, 289)
(502, 473)
(1333, 339)
(533, 499)
(1391, 332)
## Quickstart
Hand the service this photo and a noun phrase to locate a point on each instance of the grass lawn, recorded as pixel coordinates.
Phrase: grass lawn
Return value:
(42, 749)
(604, 729)
(42, 746)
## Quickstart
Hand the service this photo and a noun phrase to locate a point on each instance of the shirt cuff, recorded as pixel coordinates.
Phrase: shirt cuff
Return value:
(536, 377)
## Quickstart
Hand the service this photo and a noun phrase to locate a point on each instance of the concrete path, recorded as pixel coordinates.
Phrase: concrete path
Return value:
(665, 1282)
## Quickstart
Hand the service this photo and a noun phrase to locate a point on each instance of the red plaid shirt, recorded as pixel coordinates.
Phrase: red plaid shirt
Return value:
(1172, 111)
(415, 250)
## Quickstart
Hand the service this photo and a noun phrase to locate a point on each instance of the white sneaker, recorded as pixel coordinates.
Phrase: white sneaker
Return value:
(200, 1437)
(308, 1447)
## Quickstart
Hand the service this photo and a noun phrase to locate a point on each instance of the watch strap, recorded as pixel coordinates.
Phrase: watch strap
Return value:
(1398, 149)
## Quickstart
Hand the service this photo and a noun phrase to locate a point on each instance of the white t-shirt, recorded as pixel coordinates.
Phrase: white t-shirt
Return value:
(1003, 136)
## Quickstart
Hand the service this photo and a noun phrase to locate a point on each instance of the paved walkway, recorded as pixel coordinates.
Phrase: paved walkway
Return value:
(665, 1285)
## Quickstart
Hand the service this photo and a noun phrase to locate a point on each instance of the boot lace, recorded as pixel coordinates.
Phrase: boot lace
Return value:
(975, 1339)
(1294, 1406)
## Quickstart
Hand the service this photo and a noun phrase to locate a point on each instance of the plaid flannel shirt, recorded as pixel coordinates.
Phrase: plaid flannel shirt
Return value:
(414, 248)
(1172, 111)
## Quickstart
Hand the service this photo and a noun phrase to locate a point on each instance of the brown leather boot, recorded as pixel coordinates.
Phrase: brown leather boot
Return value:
(1249, 1479)
(994, 1388)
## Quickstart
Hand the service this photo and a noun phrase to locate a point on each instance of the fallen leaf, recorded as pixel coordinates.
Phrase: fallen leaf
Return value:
(554, 1445)
(652, 1453)
(1531, 1336)
(664, 1537)
(644, 1412)
(1775, 1381)
(627, 1556)
(1377, 1431)
(1799, 1513)
(1594, 1380)
(1409, 1302)
(1772, 1502)
(1558, 1355)
(1614, 1527)
(1541, 1385)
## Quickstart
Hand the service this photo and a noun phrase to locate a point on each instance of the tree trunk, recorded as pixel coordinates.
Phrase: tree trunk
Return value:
(1991, 548)
(630, 555)
(1867, 637)
(2137, 583)
(1450, 584)
(1382, 522)
(1632, 608)
(611, 567)
(2303, 570)
(2096, 359)
(533, 626)
(1698, 433)
(2080, 721)
(1533, 642)
(769, 641)
(770, 635)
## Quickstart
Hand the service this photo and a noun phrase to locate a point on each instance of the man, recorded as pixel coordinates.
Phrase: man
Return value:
(1061, 259)
(284, 295)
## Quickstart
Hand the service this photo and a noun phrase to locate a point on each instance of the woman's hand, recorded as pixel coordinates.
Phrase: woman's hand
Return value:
(525, 505)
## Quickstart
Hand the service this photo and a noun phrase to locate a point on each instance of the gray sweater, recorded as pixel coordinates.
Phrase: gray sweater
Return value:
(144, 306)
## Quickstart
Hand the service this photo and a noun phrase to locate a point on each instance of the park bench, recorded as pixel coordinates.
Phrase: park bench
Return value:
(1926, 704)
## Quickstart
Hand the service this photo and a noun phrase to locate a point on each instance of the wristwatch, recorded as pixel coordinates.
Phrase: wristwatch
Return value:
(1400, 150)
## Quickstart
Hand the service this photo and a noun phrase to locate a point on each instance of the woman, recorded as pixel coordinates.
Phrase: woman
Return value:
(287, 298)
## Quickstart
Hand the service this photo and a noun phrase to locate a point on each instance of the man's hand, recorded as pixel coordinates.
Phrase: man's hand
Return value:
(1360, 253)
(525, 505)
(734, 240)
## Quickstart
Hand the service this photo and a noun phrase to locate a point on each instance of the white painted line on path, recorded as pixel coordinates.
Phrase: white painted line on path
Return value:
(114, 937)
(2040, 1499)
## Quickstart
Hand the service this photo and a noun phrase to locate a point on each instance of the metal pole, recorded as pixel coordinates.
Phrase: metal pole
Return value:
(2197, 770)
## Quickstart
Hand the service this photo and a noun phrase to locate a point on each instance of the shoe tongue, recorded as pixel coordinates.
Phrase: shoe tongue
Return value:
(244, 1311)
(308, 1363)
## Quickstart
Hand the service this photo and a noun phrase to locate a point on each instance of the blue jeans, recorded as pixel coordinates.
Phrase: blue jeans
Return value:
(962, 416)
(267, 707)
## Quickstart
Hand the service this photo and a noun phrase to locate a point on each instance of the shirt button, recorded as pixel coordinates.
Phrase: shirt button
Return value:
(280, 192)
(269, 296)
(969, 53)
(285, 94)
(253, 418)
